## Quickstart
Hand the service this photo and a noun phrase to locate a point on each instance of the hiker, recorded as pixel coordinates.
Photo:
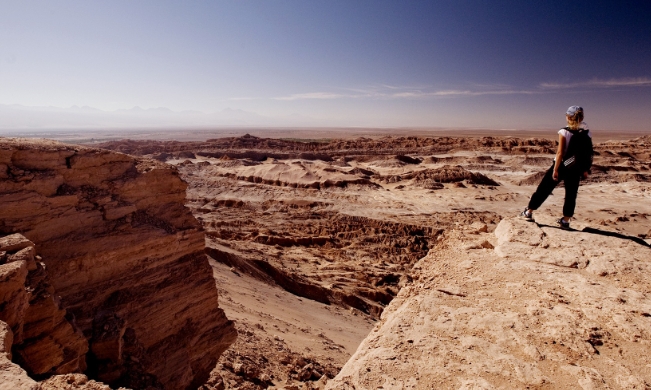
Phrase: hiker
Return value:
(573, 161)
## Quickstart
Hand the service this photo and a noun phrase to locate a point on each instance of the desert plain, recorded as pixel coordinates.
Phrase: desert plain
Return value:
(398, 255)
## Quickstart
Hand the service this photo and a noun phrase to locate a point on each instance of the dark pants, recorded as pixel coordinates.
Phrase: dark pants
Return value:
(547, 185)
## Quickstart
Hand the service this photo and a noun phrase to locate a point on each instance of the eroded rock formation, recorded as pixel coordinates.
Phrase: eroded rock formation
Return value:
(344, 221)
(12, 376)
(615, 161)
(256, 148)
(44, 341)
(433, 178)
(124, 254)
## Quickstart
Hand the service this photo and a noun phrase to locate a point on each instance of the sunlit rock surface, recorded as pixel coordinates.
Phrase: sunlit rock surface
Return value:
(547, 308)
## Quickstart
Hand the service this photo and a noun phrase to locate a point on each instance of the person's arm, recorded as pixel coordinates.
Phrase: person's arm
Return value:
(559, 156)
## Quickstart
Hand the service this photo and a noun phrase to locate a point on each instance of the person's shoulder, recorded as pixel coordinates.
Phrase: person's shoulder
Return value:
(565, 132)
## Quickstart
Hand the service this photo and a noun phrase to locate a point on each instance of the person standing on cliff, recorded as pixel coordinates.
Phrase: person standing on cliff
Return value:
(573, 161)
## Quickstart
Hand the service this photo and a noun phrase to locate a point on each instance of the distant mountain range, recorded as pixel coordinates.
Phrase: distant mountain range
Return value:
(19, 117)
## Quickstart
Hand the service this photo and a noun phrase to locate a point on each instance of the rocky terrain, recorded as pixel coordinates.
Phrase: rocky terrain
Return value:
(118, 287)
(406, 245)
(343, 222)
(545, 309)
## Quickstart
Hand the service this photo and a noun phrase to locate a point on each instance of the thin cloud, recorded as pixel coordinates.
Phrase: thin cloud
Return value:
(387, 91)
(632, 82)
(612, 83)
(391, 92)
(313, 95)
(453, 93)
(491, 86)
(404, 87)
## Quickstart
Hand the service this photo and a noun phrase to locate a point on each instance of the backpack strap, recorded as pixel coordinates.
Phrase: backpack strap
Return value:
(576, 131)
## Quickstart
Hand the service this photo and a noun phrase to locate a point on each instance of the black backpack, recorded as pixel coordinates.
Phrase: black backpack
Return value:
(579, 152)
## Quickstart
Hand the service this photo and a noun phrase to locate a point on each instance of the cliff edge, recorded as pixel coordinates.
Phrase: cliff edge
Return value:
(545, 309)
(125, 257)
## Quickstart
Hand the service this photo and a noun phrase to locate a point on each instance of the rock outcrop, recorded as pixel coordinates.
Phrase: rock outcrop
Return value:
(125, 256)
(256, 148)
(547, 308)
(428, 178)
(44, 341)
(12, 377)
(37, 333)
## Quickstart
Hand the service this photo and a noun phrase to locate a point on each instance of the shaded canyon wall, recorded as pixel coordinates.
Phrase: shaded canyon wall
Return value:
(124, 254)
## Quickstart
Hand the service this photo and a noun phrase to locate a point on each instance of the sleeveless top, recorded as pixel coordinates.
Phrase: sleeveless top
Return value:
(567, 134)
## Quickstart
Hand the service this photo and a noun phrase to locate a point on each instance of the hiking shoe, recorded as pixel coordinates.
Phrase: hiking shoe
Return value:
(526, 214)
(563, 224)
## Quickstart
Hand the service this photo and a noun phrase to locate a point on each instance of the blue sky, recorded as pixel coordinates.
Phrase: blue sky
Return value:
(490, 64)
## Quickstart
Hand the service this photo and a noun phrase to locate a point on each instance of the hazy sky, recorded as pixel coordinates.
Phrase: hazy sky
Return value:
(494, 64)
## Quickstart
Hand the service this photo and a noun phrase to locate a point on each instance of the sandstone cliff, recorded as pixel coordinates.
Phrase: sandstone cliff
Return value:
(125, 256)
(44, 341)
(545, 309)
(13, 377)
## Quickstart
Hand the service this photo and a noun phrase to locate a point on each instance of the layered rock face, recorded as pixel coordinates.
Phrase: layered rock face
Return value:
(44, 341)
(12, 377)
(547, 308)
(125, 256)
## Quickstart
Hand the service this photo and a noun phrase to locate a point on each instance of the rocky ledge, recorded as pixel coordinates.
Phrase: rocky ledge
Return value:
(545, 309)
(122, 261)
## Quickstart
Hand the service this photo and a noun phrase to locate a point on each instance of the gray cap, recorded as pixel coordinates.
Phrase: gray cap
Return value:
(573, 110)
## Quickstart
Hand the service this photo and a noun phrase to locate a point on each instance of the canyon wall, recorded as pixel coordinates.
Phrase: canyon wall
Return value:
(124, 255)
(44, 341)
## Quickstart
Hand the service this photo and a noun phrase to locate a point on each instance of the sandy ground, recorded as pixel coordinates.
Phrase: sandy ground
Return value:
(310, 326)
(292, 331)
